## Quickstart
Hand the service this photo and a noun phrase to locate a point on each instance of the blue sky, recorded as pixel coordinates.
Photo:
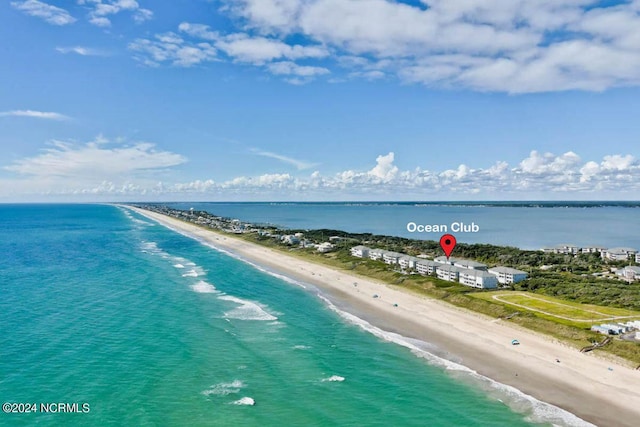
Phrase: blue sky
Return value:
(319, 100)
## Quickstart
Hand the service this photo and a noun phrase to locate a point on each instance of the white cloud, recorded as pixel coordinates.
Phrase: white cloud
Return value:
(204, 45)
(79, 50)
(259, 50)
(51, 14)
(299, 164)
(34, 114)
(102, 168)
(538, 174)
(514, 46)
(385, 169)
(199, 31)
(173, 49)
(94, 160)
(292, 69)
(101, 10)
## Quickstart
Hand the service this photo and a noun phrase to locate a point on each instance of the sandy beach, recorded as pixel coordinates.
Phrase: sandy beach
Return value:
(595, 389)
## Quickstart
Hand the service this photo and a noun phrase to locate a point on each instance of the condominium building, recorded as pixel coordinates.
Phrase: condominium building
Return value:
(426, 267)
(478, 279)
(376, 254)
(508, 275)
(408, 262)
(390, 257)
(619, 254)
(360, 251)
(448, 272)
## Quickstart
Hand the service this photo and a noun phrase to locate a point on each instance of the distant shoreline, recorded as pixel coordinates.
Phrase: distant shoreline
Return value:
(581, 384)
(486, 203)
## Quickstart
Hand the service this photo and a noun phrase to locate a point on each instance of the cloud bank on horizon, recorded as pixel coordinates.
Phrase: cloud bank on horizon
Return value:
(120, 170)
(512, 46)
(336, 99)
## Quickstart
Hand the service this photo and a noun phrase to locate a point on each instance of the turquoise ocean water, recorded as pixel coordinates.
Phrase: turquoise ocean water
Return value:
(149, 327)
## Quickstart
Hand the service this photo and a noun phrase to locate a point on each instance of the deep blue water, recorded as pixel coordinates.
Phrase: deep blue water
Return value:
(529, 225)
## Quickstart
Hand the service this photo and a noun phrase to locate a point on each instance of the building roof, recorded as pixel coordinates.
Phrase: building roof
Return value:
(381, 251)
(427, 262)
(443, 259)
(633, 268)
(449, 267)
(466, 263)
(506, 270)
(622, 250)
(391, 253)
(477, 273)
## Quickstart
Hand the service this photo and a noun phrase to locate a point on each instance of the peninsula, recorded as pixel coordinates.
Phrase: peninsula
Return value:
(595, 388)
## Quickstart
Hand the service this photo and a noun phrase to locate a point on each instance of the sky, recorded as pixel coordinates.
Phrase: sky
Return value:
(312, 100)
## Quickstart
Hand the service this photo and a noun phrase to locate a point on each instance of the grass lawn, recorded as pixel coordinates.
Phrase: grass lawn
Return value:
(568, 312)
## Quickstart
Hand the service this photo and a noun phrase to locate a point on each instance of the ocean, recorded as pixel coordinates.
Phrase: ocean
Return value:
(527, 225)
(146, 327)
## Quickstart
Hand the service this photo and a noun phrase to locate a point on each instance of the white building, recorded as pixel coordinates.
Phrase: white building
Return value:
(376, 254)
(408, 262)
(508, 275)
(290, 239)
(426, 267)
(466, 263)
(478, 279)
(629, 273)
(619, 254)
(563, 249)
(390, 257)
(593, 249)
(325, 247)
(360, 251)
(448, 272)
(633, 324)
(638, 258)
(445, 260)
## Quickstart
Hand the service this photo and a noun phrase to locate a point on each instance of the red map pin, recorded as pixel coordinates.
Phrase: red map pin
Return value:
(447, 243)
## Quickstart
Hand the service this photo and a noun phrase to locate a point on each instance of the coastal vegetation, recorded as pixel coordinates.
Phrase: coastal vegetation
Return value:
(562, 297)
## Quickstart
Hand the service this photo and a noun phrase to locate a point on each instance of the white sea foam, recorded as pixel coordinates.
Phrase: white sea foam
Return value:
(333, 378)
(190, 273)
(203, 287)
(194, 272)
(240, 258)
(141, 222)
(535, 410)
(223, 389)
(301, 347)
(150, 246)
(178, 265)
(244, 401)
(248, 310)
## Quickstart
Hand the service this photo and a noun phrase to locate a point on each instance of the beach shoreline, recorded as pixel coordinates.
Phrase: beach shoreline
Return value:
(588, 386)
